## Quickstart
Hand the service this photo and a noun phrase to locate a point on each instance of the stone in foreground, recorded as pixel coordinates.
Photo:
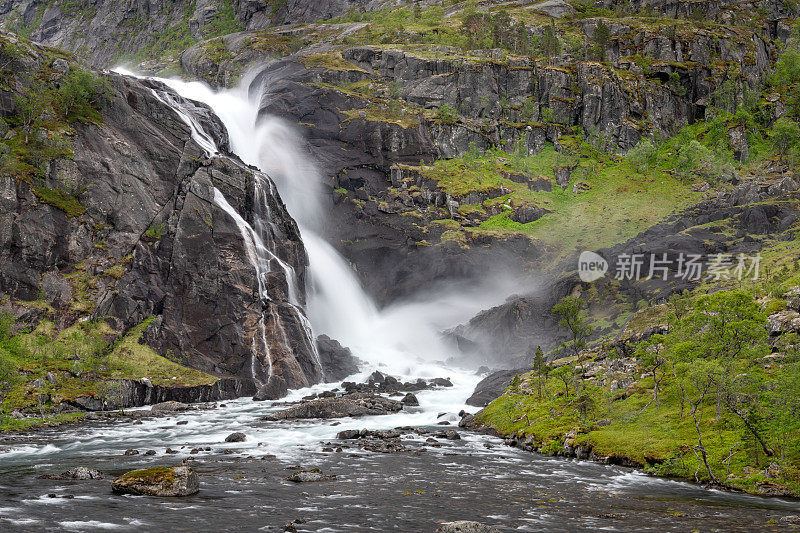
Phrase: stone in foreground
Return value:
(80, 473)
(159, 481)
(466, 526)
(308, 476)
(236, 437)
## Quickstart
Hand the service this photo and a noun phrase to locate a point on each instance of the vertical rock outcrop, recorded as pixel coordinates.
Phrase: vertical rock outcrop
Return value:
(161, 230)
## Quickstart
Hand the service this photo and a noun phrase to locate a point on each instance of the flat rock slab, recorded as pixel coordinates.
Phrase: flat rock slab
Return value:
(355, 405)
(309, 476)
(80, 473)
(466, 526)
(159, 481)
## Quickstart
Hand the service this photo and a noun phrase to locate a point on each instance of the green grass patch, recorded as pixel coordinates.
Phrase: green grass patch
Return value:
(60, 200)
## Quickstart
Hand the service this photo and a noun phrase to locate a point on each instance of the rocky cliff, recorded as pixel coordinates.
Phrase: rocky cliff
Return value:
(132, 219)
(106, 32)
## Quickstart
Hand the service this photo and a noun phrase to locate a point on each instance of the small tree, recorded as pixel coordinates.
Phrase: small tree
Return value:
(541, 369)
(601, 37)
(31, 106)
(551, 45)
(564, 373)
(643, 156)
(569, 309)
(650, 356)
(785, 136)
(81, 95)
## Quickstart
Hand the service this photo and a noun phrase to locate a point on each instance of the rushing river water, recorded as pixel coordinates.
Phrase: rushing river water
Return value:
(475, 478)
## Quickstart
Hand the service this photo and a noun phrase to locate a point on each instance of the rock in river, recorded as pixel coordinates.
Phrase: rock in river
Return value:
(236, 437)
(159, 481)
(306, 476)
(410, 400)
(466, 526)
(168, 407)
(349, 405)
(80, 473)
(274, 389)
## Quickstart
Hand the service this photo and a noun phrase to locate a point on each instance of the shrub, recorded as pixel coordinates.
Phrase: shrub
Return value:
(447, 114)
(82, 94)
(785, 135)
(643, 156)
(693, 156)
(787, 68)
(155, 231)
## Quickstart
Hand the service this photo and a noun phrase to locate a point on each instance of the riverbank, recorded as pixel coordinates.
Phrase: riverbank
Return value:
(707, 393)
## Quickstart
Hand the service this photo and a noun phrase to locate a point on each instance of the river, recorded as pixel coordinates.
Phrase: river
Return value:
(474, 478)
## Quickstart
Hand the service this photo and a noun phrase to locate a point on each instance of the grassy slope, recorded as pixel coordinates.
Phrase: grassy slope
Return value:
(654, 436)
(84, 363)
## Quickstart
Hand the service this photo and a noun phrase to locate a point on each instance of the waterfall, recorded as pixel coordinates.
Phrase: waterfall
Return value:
(401, 338)
(258, 241)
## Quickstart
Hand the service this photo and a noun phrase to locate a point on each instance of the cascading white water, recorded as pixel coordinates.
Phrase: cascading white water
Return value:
(258, 240)
(398, 338)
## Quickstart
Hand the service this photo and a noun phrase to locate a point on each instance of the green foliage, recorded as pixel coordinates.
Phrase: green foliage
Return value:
(787, 68)
(644, 155)
(224, 22)
(601, 37)
(550, 45)
(694, 157)
(573, 318)
(447, 114)
(155, 231)
(60, 200)
(81, 95)
(785, 136)
(708, 406)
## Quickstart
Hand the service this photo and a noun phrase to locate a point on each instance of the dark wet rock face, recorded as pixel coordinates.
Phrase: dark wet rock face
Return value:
(338, 362)
(166, 482)
(492, 387)
(155, 216)
(274, 389)
(755, 213)
(102, 32)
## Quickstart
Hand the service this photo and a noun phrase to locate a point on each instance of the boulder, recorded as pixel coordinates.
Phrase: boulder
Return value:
(376, 378)
(236, 437)
(309, 476)
(491, 387)
(164, 408)
(351, 405)
(410, 399)
(158, 481)
(274, 389)
(466, 526)
(554, 8)
(88, 403)
(337, 361)
(80, 473)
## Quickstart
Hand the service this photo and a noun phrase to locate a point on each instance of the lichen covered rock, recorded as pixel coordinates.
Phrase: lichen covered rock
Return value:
(159, 481)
